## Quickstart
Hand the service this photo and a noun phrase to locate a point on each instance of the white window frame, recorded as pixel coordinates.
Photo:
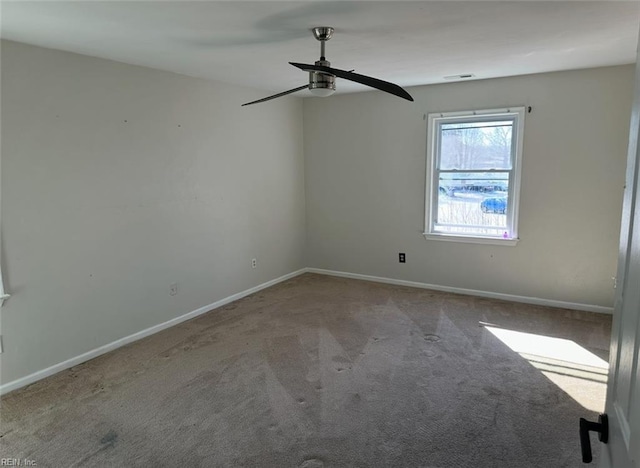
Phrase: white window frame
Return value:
(435, 120)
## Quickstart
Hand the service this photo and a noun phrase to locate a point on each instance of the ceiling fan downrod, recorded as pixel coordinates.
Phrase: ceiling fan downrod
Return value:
(323, 34)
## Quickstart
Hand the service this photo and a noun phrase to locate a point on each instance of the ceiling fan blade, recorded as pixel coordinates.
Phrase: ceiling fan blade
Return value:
(284, 93)
(362, 79)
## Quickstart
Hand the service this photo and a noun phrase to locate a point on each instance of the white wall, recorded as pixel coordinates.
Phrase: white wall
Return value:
(365, 179)
(120, 180)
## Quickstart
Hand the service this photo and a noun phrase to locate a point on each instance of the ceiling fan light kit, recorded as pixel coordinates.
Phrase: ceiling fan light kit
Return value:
(322, 78)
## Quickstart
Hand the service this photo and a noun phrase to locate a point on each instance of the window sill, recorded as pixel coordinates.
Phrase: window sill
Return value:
(471, 239)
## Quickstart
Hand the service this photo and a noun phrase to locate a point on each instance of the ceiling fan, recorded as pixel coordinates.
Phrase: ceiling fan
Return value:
(322, 78)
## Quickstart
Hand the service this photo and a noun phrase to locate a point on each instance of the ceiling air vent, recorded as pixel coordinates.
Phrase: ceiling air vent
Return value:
(464, 76)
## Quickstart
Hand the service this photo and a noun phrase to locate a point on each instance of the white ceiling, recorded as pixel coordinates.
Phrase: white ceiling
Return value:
(409, 43)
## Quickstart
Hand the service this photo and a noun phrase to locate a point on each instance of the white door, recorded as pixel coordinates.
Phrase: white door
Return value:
(623, 393)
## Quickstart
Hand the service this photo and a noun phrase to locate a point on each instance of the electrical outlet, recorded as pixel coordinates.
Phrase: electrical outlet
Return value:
(173, 289)
(254, 263)
(402, 258)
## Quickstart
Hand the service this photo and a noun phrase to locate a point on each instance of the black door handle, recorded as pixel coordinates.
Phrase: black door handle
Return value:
(601, 427)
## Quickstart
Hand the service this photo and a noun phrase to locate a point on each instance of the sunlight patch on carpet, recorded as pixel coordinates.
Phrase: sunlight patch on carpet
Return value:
(576, 370)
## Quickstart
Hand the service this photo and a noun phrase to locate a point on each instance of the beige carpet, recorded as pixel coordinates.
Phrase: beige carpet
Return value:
(321, 371)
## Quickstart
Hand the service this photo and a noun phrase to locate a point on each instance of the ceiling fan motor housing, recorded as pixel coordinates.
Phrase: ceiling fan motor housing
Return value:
(319, 80)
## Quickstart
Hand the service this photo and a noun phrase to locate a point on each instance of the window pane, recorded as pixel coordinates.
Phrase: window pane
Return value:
(473, 203)
(476, 145)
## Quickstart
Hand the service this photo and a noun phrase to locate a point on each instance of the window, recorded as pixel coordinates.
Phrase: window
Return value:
(473, 175)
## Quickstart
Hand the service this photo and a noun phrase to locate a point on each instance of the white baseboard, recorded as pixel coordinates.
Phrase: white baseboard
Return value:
(469, 292)
(31, 378)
